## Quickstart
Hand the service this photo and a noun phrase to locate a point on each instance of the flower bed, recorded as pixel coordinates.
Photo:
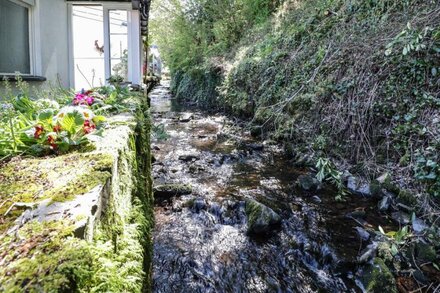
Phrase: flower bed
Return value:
(30, 126)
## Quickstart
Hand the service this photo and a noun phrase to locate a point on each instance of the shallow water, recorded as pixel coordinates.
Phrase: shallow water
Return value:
(200, 240)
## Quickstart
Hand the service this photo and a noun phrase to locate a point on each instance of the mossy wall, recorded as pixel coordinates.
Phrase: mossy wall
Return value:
(45, 256)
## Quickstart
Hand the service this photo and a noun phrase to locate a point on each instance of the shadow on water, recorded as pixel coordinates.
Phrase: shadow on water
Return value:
(200, 240)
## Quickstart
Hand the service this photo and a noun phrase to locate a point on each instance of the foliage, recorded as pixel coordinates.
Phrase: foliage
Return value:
(355, 80)
(327, 171)
(188, 31)
(159, 132)
(398, 238)
(427, 169)
(62, 131)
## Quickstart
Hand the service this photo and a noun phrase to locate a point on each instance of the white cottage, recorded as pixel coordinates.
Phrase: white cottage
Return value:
(77, 43)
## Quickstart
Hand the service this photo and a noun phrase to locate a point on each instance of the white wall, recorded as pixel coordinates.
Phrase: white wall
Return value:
(54, 40)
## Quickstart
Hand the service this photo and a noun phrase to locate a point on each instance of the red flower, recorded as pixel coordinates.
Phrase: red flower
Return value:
(57, 128)
(38, 131)
(51, 142)
(88, 127)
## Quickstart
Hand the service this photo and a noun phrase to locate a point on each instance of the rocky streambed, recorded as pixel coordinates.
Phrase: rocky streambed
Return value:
(234, 215)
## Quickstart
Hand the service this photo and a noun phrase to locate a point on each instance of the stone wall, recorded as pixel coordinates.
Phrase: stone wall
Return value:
(81, 221)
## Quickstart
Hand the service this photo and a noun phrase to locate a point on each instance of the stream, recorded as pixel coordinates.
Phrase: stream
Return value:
(201, 242)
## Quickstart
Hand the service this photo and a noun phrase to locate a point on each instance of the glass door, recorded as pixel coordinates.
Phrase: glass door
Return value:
(119, 44)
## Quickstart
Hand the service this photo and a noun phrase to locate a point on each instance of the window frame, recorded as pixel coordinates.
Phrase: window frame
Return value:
(135, 56)
(34, 39)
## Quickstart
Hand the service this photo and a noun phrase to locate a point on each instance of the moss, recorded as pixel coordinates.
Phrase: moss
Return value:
(56, 178)
(80, 185)
(384, 252)
(377, 278)
(407, 197)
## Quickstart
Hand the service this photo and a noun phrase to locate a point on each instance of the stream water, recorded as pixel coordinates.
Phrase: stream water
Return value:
(200, 239)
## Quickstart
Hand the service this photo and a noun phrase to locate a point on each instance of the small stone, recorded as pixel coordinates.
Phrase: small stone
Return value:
(308, 182)
(419, 225)
(362, 233)
(358, 186)
(316, 199)
(368, 253)
(384, 203)
(401, 218)
(189, 157)
(256, 146)
(186, 117)
(199, 204)
(359, 213)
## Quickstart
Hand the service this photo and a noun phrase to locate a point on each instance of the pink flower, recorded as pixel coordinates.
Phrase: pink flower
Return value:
(82, 99)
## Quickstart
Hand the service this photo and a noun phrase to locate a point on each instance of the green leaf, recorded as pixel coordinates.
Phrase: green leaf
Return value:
(98, 119)
(46, 116)
(72, 122)
(394, 249)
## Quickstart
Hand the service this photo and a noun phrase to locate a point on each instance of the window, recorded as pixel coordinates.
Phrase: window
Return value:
(105, 42)
(16, 56)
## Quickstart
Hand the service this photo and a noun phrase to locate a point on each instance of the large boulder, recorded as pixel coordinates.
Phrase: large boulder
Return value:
(261, 219)
(377, 278)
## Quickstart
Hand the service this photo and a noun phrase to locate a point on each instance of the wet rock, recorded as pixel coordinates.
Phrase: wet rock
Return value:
(404, 207)
(419, 225)
(256, 131)
(362, 233)
(261, 219)
(256, 146)
(420, 277)
(383, 182)
(368, 253)
(168, 191)
(384, 204)
(186, 117)
(316, 199)
(358, 186)
(308, 182)
(358, 214)
(199, 204)
(401, 218)
(303, 161)
(377, 278)
(189, 157)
